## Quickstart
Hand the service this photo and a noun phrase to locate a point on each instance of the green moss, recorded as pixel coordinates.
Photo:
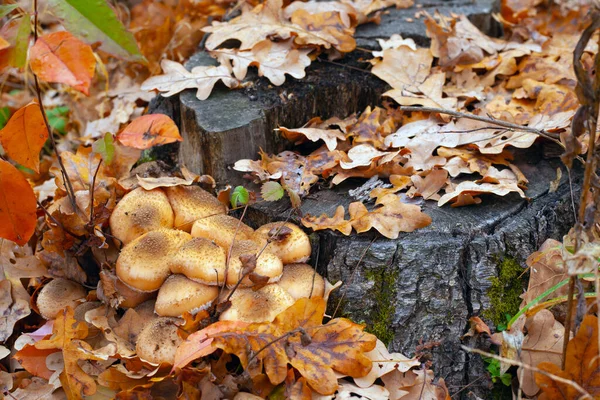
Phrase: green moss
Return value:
(505, 291)
(385, 291)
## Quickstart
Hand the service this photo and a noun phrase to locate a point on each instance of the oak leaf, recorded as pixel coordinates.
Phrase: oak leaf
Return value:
(298, 338)
(176, 78)
(17, 205)
(329, 136)
(325, 29)
(363, 154)
(547, 268)
(14, 305)
(398, 182)
(582, 366)
(337, 222)
(390, 219)
(62, 58)
(415, 385)
(148, 131)
(429, 186)
(473, 188)
(24, 136)
(384, 363)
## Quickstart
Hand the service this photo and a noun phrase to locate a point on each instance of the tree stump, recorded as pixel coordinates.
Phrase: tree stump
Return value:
(423, 286)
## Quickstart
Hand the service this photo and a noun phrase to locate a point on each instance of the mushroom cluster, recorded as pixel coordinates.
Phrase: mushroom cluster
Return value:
(180, 247)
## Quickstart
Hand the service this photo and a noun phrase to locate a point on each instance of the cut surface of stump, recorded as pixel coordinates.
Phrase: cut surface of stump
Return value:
(422, 287)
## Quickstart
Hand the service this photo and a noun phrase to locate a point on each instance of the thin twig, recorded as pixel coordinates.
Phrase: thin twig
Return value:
(92, 192)
(516, 363)
(509, 125)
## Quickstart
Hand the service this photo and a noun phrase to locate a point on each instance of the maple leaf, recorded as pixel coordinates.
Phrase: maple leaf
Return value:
(67, 335)
(297, 337)
(390, 219)
(17, 205)
(582, 365)
(543, 343)
(61, 57)
(24, 136)
(176, 78)
(273, 59)
(337, 222)
(149, 130)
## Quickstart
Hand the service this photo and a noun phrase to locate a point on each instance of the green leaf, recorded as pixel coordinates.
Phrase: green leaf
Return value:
(6, 9)
(271, 191)
(94, 21)
(239, 197)
(105, 147)
(4, 116)
(506, 379)
(57, 118)
(18, 56)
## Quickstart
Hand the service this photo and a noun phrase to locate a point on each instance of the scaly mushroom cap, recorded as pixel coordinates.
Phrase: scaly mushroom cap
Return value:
(158, 341)
(58, 294)
(293, 248)
(140, 211)
(179, 295)
(191, 203)
(221, 229)
(143, 263)
(262, 305)
(267, 265)
(301, 280)
(200, 260)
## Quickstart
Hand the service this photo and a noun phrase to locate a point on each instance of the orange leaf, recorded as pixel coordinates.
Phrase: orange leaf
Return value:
(17, 205)
(62, 58)
(34, 360)
(3, 43)
(24, 136)
(149, 130)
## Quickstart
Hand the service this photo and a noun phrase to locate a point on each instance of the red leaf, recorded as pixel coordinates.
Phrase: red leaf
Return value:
(17, 205)
(24, 136)
(149, 130)
(62, 58)
(34, 360)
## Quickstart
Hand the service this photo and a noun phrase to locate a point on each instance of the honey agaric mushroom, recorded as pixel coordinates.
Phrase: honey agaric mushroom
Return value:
(143, 263)
(58, 294)
(179, 295)
(131, 297)
(222, 229)
(140, 211)
(267, 265)
(200, 260)
(288, 241)
(190, 203)
(158, 341)
(301, 280)
(262, 305)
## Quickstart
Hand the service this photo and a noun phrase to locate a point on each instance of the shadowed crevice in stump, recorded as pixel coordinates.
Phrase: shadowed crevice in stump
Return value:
(424, 285)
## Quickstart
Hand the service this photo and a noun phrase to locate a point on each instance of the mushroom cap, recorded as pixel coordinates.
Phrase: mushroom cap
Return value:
(143, 263)
(262, 305)
(267, 264)
(200, 260)
(179, 295)
(140, 211)
(221, 229)
(158, 341)
(190, 203)
(300, 280)
(295, 248)
(58, 294)
(131, 297)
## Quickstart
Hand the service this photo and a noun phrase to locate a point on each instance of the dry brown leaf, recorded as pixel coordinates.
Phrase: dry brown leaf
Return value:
(383, 363)
(363, 154)
(429, 186)
(14, 303)
(390, 219)
(336, 222)
(329, 136)
(547, 268)
(398, 182)
(415, 385)
(473, 188)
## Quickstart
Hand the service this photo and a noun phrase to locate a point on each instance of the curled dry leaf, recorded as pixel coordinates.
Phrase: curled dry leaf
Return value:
(473, 188)
(149, 130)
(329, 136)
(390, 219)
(61, 57)
(24, 136)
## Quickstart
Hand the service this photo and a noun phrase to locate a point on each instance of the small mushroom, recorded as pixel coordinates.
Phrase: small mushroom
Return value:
(288, 241)
(301, 280)
(179, 295)
(222, 229)
(267, 265)
(191, 203)
(158, 341)
(200, 260)
(140, 211)
(143, 263)
(262, 305)
(58, 294)
(131, 297)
